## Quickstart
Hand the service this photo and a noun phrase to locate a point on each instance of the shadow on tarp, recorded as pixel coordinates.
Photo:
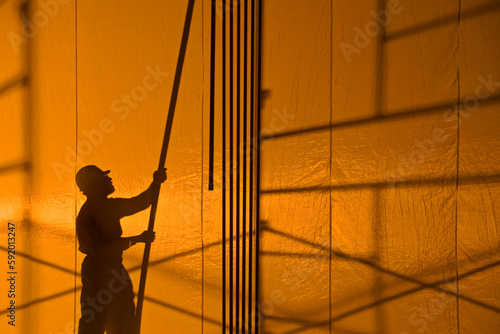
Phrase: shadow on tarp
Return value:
(422, 182)
(392, 116)
(448, 19)
(307, 324)
(422, 285)
(398, 115)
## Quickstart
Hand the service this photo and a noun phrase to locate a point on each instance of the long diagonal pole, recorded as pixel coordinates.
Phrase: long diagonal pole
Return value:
(163, 156)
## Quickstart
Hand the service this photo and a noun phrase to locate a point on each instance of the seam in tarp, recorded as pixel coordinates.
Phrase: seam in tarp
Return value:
(76, 161)
(458, 162)
(331, 158)
(202, 164)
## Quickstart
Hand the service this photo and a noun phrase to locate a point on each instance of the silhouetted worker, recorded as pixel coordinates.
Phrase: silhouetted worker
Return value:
(107, 298)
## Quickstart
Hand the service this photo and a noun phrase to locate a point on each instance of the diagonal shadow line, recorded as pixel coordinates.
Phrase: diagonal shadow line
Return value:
(23, 166)
(43, 299)
(403, 294)
(42, 262)
(392, 284)
(186, 253)
(308, 322)
(57, 295)
(451, 18)
(463, 180)
(435, 285)
(397, 296)
(9, 84)
(348, 331)
(156, 301)
(289, 320)
(355, 311)
(368, 263)
(184, 311)
(187, 312)
(180, 254)
(396, 115)
(422, 284)
(291, 254)
(170, 257)
(153, 263)
(2, 89)
(284, 319)
(481, 255)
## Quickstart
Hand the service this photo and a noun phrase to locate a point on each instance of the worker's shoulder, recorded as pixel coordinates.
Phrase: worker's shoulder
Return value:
(98, 209)
(85, 212)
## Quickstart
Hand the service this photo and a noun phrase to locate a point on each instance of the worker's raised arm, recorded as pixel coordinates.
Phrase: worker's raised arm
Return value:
(129, 206)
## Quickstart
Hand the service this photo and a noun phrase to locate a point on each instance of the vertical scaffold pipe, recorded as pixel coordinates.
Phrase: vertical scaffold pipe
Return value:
(213, 42)
(245, 150)
(257, 204)
(238, 166)
(231, 164)
(224, 218)
(252, 164)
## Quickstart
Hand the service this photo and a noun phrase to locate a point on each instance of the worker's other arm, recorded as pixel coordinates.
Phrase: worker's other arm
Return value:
(125, 243)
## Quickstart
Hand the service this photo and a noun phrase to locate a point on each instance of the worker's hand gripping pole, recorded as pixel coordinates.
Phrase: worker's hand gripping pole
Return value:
(163, 156)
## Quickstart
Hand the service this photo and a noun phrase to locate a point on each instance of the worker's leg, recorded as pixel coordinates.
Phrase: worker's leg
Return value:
(121, 309)
(93, 314)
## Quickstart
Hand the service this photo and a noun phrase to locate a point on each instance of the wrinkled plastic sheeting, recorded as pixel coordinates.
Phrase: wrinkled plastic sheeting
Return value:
(102, 53)
(376, 209)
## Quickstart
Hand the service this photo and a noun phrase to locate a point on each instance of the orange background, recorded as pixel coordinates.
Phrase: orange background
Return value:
(362, 155)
